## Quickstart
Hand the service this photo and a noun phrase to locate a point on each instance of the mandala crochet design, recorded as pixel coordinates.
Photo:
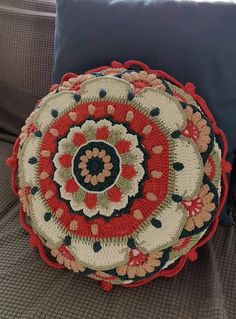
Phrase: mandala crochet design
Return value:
(121, 174)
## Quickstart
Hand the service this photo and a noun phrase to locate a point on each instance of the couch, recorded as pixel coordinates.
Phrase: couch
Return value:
(29, 288)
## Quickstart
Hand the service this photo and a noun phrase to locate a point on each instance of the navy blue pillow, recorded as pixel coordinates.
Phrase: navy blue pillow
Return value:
(191, 41)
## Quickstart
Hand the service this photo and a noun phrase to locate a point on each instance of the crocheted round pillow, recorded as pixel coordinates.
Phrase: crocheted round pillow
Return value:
(121, 174)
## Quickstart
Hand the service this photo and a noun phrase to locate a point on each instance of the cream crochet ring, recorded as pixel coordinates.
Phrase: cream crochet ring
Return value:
(120, 174)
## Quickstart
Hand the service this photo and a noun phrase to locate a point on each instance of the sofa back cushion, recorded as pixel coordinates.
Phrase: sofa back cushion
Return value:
(26, 58)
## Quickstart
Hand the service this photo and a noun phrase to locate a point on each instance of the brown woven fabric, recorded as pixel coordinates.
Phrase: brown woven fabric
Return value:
(26, 58)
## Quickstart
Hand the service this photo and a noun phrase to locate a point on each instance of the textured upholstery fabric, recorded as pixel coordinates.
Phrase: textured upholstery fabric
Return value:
(26, 56)
(30, 289)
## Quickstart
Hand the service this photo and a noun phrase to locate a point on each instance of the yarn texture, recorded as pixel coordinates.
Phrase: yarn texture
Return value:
(120, 174)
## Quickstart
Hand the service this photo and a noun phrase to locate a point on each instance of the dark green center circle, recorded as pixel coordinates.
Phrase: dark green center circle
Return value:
(95, 165)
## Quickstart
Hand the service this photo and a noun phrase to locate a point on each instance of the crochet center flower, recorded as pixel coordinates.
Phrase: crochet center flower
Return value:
(99, 167)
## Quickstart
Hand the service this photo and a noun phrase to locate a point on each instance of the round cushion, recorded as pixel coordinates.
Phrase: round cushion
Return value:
(119, 174)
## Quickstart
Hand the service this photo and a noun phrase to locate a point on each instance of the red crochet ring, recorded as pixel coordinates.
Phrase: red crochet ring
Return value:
(102, 171)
